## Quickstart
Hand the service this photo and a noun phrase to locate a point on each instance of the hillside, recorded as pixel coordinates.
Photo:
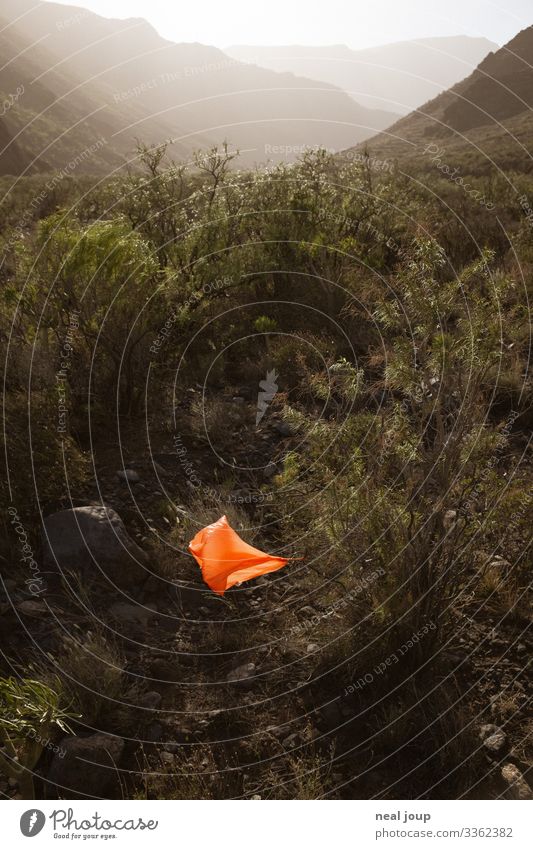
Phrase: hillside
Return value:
(397, 77)
(490, 110)
(86, 77)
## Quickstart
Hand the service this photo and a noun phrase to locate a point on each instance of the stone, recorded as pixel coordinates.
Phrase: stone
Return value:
(312, 647)
(518, 788)
(128, 613)
(241, 673)
(86, 766)
(494, 739)
(93, 540)
(154, 732)
(31, 608)
(128, 475)
(151, 700)
(283, 428)
(449, 519)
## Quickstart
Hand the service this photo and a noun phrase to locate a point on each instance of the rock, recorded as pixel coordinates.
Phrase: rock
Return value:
(241, 673)
(128, 475)
(494, 739)
(151, 700)
(283, 429)
(498, 562)
(86, 766)
(449, 519)
(270, 470)
(312, 647)
(31, 608)
(518, 787)
(93, 539)
(130, 613)
(154, 732)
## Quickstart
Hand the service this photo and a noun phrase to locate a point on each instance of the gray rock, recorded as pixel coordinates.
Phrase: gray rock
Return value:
(518, 788)
(283, 429)
(129, 475)
(86, 766)
(494, 739)
(93, 539)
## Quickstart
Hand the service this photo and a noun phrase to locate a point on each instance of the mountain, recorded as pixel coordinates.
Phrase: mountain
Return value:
(398, 77)
(86, 77)
(485, 120)
(51, 119)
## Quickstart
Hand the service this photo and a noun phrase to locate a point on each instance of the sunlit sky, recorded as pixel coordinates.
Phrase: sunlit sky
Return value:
(357, 23)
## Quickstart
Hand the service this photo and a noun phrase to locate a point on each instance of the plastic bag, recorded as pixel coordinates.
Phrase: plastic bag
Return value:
(225, 559)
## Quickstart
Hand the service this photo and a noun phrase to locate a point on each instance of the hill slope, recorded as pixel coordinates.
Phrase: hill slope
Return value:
(485, 120)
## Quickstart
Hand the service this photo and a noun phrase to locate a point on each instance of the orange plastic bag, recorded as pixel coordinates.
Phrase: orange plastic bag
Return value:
(225, 559)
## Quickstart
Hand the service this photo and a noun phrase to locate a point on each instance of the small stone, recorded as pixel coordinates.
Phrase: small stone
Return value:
(241, 673)
(31, 608)
(283, 429)
(449, 519)
(150, 700)
(122, 611)
(494, 739)
(518, 787)
(129, 475)
(154, 732)
(312, 647)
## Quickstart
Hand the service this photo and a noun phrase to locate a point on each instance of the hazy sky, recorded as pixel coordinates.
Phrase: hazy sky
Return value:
(357, 23)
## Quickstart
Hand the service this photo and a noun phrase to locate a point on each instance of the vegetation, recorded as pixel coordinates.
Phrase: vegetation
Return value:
(394, 315)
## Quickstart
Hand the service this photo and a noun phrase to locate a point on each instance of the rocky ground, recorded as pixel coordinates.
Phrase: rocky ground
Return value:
(186, 694)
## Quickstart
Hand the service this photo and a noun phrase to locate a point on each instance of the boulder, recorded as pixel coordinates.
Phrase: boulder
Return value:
(86, 766)
(93, 540)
